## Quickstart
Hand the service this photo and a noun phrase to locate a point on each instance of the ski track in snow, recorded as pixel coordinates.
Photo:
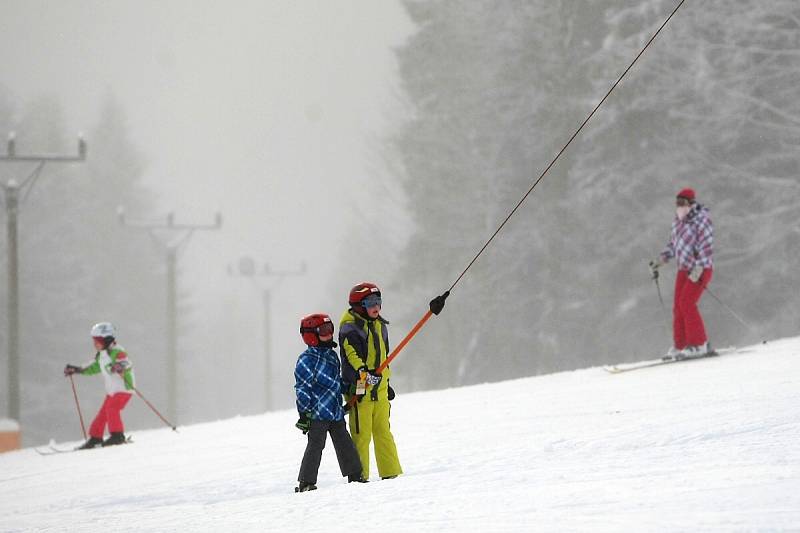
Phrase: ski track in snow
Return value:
(709, 446)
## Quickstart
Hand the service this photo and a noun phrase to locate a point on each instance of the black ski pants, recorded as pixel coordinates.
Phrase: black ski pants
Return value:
(346, 454)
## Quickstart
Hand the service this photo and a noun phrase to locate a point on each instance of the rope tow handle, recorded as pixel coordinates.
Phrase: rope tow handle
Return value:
(418, 326)
(405, 341)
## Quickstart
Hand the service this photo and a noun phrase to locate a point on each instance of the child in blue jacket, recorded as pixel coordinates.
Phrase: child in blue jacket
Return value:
(318, 387)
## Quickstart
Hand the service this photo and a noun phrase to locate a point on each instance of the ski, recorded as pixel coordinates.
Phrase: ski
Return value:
(618, 369)
(53, 449)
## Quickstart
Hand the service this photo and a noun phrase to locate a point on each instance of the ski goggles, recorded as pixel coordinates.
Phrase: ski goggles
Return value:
(325, 329)
(680, 201)
(371, 301)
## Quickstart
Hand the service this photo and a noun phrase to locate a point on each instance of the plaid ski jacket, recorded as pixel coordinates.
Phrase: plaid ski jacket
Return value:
(318, 384)
(691, 240)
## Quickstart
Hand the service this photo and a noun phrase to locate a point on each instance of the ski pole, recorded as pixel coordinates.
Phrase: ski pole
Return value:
(661, 299)
(78, 405)
(139, 394)
(150, 405)
(737, 317)
(658, 289)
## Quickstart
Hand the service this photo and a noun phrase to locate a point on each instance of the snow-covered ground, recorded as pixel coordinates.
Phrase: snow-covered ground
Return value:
(708, 445)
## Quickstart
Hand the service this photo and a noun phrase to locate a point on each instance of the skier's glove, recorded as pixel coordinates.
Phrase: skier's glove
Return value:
(437, 304)
(655, 265)
(72, 369)
(119, 367)
(373, 378)
(369, 376)
(304, 422)
(695, 273)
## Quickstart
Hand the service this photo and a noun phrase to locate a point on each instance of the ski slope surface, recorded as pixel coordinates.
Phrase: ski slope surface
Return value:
(706, 445)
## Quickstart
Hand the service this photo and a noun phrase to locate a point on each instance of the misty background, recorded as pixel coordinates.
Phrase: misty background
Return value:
(385, 141)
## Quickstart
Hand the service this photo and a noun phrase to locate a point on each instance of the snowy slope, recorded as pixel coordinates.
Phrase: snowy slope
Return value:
(708, 445)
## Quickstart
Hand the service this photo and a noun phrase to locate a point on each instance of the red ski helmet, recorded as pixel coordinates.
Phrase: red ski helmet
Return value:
(313, 326)
(360, 292)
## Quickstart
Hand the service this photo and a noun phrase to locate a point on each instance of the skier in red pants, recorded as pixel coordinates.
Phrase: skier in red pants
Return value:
(111, 360)
(691, 244)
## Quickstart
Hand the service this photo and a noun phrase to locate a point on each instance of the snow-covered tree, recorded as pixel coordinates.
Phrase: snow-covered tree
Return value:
(496, 88)
(713, 105)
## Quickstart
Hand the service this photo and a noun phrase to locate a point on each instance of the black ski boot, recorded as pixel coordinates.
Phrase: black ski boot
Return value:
(305, 487)
(114, 439)
(356, 479)
(93, 442)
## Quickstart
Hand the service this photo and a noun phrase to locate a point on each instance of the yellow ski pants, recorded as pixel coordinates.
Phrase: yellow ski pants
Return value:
(370, 420)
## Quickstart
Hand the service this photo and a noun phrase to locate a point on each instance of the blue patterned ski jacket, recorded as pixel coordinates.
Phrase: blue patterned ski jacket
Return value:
(318, 384)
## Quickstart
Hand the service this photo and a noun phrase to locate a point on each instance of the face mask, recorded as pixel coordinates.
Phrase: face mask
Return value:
(682, 211)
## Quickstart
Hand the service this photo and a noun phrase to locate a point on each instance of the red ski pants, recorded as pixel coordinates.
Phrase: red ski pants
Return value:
(109, 413)
(687, 326)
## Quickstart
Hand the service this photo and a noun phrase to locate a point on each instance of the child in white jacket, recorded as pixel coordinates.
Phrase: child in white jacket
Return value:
(112, 362)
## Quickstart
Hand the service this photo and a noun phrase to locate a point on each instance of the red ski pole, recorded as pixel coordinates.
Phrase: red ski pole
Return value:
(150, 405)
(139, 394)
(78, 405)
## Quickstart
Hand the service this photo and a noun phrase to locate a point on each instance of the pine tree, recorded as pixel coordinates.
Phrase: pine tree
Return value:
(712, 106)
(496, 88)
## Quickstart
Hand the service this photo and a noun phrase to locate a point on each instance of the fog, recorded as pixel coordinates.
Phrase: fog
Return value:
(386, 141)
(270, 113)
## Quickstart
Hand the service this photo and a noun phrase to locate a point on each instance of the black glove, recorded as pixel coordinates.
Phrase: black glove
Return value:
(391, 393)
(304, 422)
(655, 264)
(72, 369)
(437, 304)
